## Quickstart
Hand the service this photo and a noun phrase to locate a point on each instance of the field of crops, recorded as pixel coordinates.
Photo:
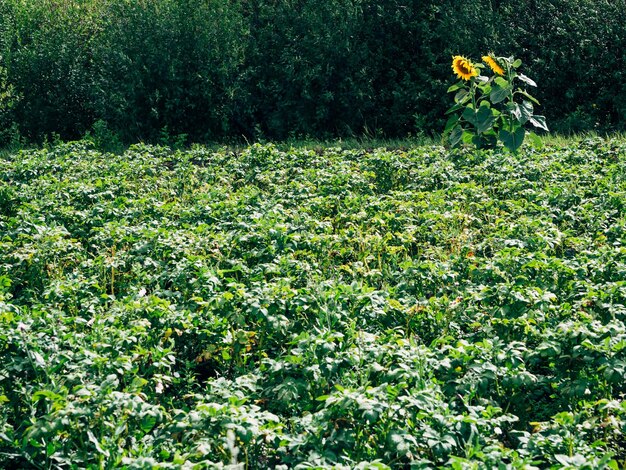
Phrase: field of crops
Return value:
(415, 308)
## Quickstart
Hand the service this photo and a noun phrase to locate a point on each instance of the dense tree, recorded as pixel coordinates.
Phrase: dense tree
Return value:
(216, 69)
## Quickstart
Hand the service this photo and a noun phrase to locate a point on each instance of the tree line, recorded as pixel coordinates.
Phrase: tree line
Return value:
(226, 69)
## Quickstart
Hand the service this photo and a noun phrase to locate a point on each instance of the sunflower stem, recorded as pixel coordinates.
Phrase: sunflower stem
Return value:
(511, 97)
(473, 93)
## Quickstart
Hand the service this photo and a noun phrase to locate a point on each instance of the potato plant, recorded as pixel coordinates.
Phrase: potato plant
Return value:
(268, 308)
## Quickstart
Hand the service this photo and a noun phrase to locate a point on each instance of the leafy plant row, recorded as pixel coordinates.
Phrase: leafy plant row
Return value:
(313, 309)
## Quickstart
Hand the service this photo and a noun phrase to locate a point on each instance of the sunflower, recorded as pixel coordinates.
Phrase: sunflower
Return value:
(493, 65)
(463, 68)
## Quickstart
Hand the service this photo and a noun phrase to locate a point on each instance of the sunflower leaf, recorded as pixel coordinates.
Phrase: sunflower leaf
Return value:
(456, 135)
(539, 122)
(452, 121)
(526, 112)
(456, 86)
(454, 108)
(468, 137)
(501, 82)
(484, 141)
(484, 119)
(530, 97)
(515, 110)
(462, 96)
(469, 115)
(512, 140)
(527, 80)
(499, 93)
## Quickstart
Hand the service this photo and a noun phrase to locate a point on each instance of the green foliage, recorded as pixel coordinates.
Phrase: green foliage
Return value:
(488, 109)
(103, 138)
(9, 98)
(8, 101)
(138, 66)
(313, 308)
(556, 41)
(168, 64)
(48, 63)
(220, 69)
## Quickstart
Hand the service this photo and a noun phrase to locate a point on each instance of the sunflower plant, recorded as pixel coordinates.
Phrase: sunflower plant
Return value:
(492, 106)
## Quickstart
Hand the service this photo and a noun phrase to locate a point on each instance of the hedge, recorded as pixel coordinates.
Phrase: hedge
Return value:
(227, 69)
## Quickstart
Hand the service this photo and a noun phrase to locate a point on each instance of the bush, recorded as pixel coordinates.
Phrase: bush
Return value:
(48, 62)
(216, 69)
(575, 48)
(168, 64)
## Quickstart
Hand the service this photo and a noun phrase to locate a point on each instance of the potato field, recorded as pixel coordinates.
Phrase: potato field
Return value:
(319, 308)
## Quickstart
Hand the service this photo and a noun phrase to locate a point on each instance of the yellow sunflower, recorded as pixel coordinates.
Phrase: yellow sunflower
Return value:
(493, 65)
(463, 68)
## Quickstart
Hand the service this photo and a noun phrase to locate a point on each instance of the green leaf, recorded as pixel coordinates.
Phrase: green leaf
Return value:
(461, 97)
(515, 110)
(5, 282)
(526, 111)
(485, 119)
(138, 383)
(517, 63)
(469, 115)
(452, 121)
(50, 449)
(527, 80)
(96, 443)
(499, 93)
(535, 140)
(455, 136)
(531, 98)
(456, 86)
(371, 416)
(454, 108)
(148, 421)
(501, 82)
(38, 359)
(484, 141)
(512, 140)
(50, 395)
(613, 465)
(539, 122)
(467, 137)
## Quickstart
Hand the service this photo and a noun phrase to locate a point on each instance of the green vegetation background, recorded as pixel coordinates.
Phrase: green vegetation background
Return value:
(216, 69)
(313, 309)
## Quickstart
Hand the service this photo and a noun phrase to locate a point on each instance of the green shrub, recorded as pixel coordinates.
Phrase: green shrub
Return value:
(49, 64)
(216, 69)
(576, 50)
(168, 64)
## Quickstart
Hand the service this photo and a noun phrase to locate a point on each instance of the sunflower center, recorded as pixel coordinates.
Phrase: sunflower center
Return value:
(464, 68)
